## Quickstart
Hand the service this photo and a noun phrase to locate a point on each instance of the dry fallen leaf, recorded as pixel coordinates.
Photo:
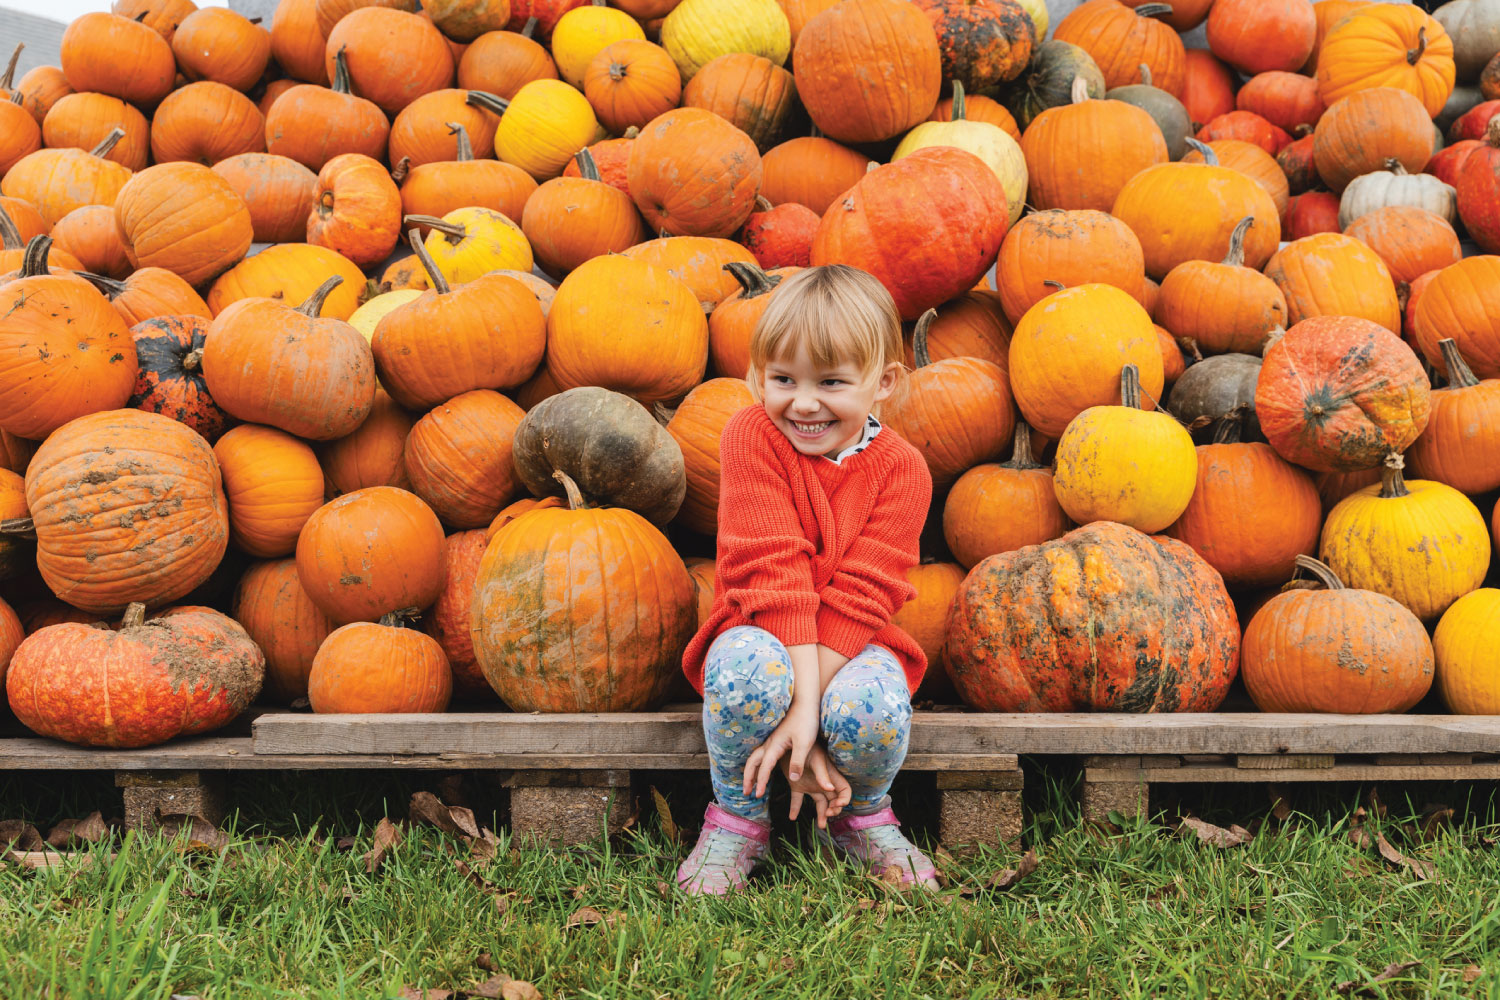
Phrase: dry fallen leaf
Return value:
(519, 989)
(425, 808)
(89, 830)
(412, 993)
(587, 916)
(387, 838)
(1353, 987)
(484, 847)
(1422, 869)
(1235, 836)
(1010, 876)
(20, 835)
(198, 834)
(1434, 819)
(1472, 972)
(664, 889)
(1357, 831)
(664, 813)
(486, 961)
(1377, 808)
(1279, 807)
(345, 843)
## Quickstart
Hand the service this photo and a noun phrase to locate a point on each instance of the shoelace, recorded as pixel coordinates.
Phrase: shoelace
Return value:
(888, 840)
(724, 849)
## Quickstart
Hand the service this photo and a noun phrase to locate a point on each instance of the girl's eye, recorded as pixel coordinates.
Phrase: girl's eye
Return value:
(833, 381)
(782, 379)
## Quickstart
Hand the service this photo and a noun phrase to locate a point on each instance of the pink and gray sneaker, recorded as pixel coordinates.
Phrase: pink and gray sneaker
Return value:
(876, 841)
(729, 847)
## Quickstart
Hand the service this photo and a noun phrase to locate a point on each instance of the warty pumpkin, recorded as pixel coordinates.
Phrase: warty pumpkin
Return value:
(169, 379)
(1463, 303)
(696, 32)
(1225, 307)
(1254, 36)
(1360, 132)
(1163, 630)
(458, 457)
(426, 129)
(187, 672)
(290, 273)
(273, 483)
(750, 92)
(488, 333)
(541, 127)
(1122, 38)
(1080, 155)
(811, 171)
(1461, 443)
(128, 506)
(278, 191)
(87, 236)
(696, 426)
(270, 363)
(221, 45)
(185, 218)
(313, 124)
(927, 258)
(625, 637)
(368, 667)
(1380, 45)
(698, 262)
(373, 454)
(1064, 356)
(56, 181)
(275, 611)
(1411, 241)
(733, 320)
(1000, 152)
(150, 292)
(109, 54)
(394, 57)
(436, 189)
(1334, 275)
(502, 62)
(1003, 507)
(1465, 645)
(867, 70)
(981, 44)
(64, 352)
(1151, 204)
(628, 83)
(1069, 247)
(1420, 542)
(572, 220)
(1338, 649)
(448, 620)
(1122, 463)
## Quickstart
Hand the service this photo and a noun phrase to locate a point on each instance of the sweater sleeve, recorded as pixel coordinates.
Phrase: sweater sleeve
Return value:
(764, 562)
(870, 583)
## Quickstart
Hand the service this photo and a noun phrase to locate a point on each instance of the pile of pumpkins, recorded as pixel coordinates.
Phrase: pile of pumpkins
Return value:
(1179, 321)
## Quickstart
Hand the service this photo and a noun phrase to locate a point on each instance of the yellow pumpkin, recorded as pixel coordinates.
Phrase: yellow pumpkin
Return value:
(1122, 463)
(1467, 647)
(584, 32)
(699, 31)
(1000, 152)
(1041, 18)
(369, 315)
(542, 127)
(468, 242)
(1420, 542)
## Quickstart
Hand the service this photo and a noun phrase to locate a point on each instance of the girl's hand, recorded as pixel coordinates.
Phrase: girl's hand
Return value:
(812, 785)
(795, 738)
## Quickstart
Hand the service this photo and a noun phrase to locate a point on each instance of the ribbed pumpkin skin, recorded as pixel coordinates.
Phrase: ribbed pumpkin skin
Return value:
(1119, 463)
(750, 92)
(702, 572)
(732, 323)
(925, 619)
(1224, 308)
(297, 42)
(423, 132)
(1426, 549)
(696, 427)
(1349, 651)
(358, 209)
(625, 325)
(970, 326)
(1461, 445)
(1104, 619)
(64, 352)
(1463, 303)
(394, 57)
(1411, 241)
(502, 62)
(373, 455)
(1251, 515)
(458, 457)
(267, 363)
(1120, 41)
(1071, 248)
(1375, 47)
(142, 471)
(154, 291)
(868, 70)
(56, 181)
(1358, 133)
(811, 171)
(117, 56)
(698, 31)
(289, 273)
(1080, 156)
(995, 509)
(1067, 352)
(696, 261)
(547, 122)
(570, 220)
(1334, 275)
(439, 188)
(694, 174)
(1467, 647)
(1153, 203)
(1254, 162)
(364, 667)
(548, 644)
(278, 191)
(185, 218)
(273, 483)
(11, 634)
(89, 236)
(1339, 393)
(164, 384)
(925, 258)
(312, 125)
(185, 673)
(206, 122)
(447, 621)
(284, 622)
(957, 413)
(82, 121)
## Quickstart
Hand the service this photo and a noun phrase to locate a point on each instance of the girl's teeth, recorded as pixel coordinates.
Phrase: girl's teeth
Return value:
(812, 428)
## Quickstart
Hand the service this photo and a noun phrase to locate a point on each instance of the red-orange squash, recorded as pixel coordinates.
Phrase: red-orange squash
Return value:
(694, 174)
(448, 620)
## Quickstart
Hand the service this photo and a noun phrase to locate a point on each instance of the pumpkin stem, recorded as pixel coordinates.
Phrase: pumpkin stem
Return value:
(1190, 346)
(1079, 91)
(108, 286)
(1492, 133)
(959, 108)
(1022, 456)
(400, 618)
(453, 232)
(753, 281)
(135, 613)
(1130, 387)
(587, 168)
(400, 170)
(1146, 75)
(108, 142)
(193, 361)
(919, 338)
(1203, 149)
(22, 527)
(314, 304)
(1236, 255)
(342, 84)
(1231, 426)
(575, 496)
(630, 133)
(1412, 55)
(1392, 483)
(616, 71)
(1395, 166)
(1056, 286)
(434, 276)
(10, 67)
(1153, 9)
(10, 236)
(461, 137)
(1325, 574)
(34, 263)
(529, 28)
(1460, 375)
(487, 101)
(763, 204)
(17, 98)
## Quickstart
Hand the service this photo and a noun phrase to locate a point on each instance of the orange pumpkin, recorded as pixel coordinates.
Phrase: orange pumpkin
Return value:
(357, 211)
(1003, 507)
(925, 618)
(56, 181)
(273, 482)
(1461, 445)
(458, 457)
(278, 191)
(1252, 161)
(1334, 275)
(571, 220)
(424, 130)
(372, 455)
(694, 174)
(1463, 304)
(313, 124)
(206, 122)
(1383, 45)
(384, 667)
(1080, 155)
(630, 82)
(394, 57)
(151, 292)
(1225, 307)
(185, 218)
(290, 272)
(276, 612)
(696, 426)
(1068, 248)
(502, 62)
(1121, 39)
(297, 42)
(435, 189)
(749, 91)
(1410, 240)
(114, 55)
(448, 620)
(1358, 133)
(811, 171)
(88, 236)
(1255, 36)
(700, 262)
(19, 133)
(970, 326)
(733, 320)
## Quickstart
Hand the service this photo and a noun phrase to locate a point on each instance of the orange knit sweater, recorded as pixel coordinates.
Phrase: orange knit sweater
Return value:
(815, 551)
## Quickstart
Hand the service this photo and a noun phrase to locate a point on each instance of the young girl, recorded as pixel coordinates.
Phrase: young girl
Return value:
(820, 509)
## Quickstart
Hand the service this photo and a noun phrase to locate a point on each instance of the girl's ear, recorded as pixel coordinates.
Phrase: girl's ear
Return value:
(889, 378)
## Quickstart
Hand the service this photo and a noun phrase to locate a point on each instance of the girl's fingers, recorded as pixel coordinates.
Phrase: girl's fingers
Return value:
(796, 804)
(820, 772)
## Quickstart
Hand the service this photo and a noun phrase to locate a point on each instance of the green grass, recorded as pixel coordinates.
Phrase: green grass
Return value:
(1146, 913)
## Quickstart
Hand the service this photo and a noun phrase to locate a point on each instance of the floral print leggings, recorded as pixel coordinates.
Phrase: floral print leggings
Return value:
(747, 690)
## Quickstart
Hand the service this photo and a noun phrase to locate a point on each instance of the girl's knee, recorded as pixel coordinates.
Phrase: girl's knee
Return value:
(747, 661)
(871, 685)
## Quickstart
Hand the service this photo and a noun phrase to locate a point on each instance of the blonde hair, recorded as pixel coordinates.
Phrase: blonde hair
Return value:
(841, 314)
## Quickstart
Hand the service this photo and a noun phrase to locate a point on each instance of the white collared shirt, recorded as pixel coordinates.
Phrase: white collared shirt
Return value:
(872, 428)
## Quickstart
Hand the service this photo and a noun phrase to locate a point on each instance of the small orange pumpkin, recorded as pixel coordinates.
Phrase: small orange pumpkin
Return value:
(273, 482)
(458, 457)
(385, 667)
(357, 211)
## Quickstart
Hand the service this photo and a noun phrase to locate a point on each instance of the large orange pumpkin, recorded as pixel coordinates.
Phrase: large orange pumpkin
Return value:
(1334, 275)
(749, 91)
(1080, 155)
(700, 262)
(394, 57)
(128, 506)
(569, 220)
(1461, 444)
(206, 122)
(1410, 240)
(1225, 307)
(811, 171)
(1068, 248)
(697, 426)
(1122, 39)
(373, 455)
(1358, 133)
(278, 191)
(113, 55)
(150, 292)
(272, 606)
(1387, 45)
(357, 210)
(694, 174)
(458, 457)
(312, 124)
(367, 667)
(1255, 36)
(925, 619)
(448, 620)
(56, 181)
(1463, 304)
(185, 218)
(273, 482)
(290, 273)
(435, 189)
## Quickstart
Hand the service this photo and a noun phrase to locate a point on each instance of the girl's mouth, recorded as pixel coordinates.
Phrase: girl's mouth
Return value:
(811, 430)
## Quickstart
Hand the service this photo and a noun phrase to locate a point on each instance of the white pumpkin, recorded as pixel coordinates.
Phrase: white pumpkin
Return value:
(1474, 26)
(1394, 186)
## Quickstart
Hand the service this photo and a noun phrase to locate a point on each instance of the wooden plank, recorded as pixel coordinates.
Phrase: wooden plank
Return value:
(1283, 761)
(1339, 772)
(932, 732)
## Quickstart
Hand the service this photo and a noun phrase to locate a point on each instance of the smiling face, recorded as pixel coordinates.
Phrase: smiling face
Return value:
(821, 408)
